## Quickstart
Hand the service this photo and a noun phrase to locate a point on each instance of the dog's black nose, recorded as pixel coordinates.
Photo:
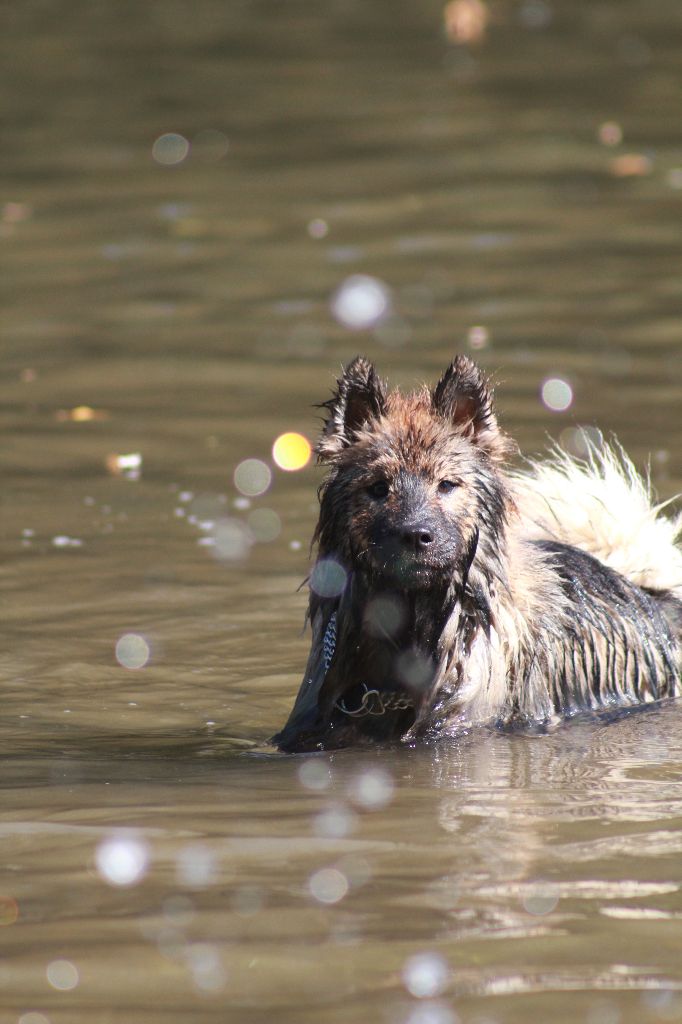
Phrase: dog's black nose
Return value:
(417, 537)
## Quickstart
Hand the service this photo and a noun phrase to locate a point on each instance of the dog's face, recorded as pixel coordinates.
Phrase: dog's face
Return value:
(412, 477)
(412, 488)
(401, 503)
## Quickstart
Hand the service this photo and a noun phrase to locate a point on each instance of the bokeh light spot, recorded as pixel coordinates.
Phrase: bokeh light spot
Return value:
(9, 911)
(315, 775)
(170, 149)
(328, 885)
(361, 302)
(465, 20)
(62, 975)
(435, 1012)
(33, 1017)
(540, 902)
(265, 524)
(196, 866)
(122, 860)
(328, 578)
(631, 165)
(478, 337)
(675, 177)
(318, 228)
(414, 668)
(425, 975)
(62, 541)
(230, 540)
(132, 651)
(207, 969)
(252, 477)
(128, 466)
(334, 822)
(291, 451)
(372, 789)
(580, 441)
(610, 133)
(384, 616)
(556, 394)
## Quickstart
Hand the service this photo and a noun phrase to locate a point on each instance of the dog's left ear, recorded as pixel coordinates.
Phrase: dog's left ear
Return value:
(360, 396)
(464, 396)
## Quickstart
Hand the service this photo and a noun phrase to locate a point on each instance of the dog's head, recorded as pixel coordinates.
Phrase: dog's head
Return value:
(411, 476)
(412, 494)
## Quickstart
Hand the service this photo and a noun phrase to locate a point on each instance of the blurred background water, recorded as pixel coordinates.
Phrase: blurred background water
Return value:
(206, 209)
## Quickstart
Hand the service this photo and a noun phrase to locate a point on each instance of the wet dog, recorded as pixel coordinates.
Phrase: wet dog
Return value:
(449, 591)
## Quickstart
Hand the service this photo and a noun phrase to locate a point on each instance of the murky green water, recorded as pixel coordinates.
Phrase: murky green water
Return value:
(157, 860)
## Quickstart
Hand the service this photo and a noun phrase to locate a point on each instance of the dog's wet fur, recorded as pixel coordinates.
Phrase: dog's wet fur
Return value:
(447, 593)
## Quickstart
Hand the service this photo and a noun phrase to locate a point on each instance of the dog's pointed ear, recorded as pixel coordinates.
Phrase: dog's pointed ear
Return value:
(464, 396)
(360, 396)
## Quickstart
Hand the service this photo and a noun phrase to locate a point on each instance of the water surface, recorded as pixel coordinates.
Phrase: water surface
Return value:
(519, 197)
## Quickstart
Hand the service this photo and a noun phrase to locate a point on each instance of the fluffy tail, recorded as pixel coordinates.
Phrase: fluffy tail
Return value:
(602, 505)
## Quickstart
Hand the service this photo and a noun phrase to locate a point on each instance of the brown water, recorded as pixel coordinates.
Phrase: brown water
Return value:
(187, 307)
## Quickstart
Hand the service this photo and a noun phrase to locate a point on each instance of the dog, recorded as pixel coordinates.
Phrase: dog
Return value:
(450, 591)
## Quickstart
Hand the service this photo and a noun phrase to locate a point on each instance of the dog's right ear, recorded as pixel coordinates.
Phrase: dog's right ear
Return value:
(360, 396)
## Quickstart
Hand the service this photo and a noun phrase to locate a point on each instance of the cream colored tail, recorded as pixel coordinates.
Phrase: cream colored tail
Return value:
(602, 505)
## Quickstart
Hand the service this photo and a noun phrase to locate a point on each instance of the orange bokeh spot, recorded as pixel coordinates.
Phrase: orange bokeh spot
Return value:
(9, 910)
(291, 451)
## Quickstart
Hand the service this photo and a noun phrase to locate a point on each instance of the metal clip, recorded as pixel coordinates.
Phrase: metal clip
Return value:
(371, 704)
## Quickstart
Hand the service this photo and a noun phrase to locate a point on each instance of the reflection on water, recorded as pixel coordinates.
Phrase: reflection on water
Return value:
(203, 217)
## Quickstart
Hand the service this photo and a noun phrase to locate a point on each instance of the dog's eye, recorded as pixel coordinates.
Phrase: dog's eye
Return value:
(379, 489)
(445, 486)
